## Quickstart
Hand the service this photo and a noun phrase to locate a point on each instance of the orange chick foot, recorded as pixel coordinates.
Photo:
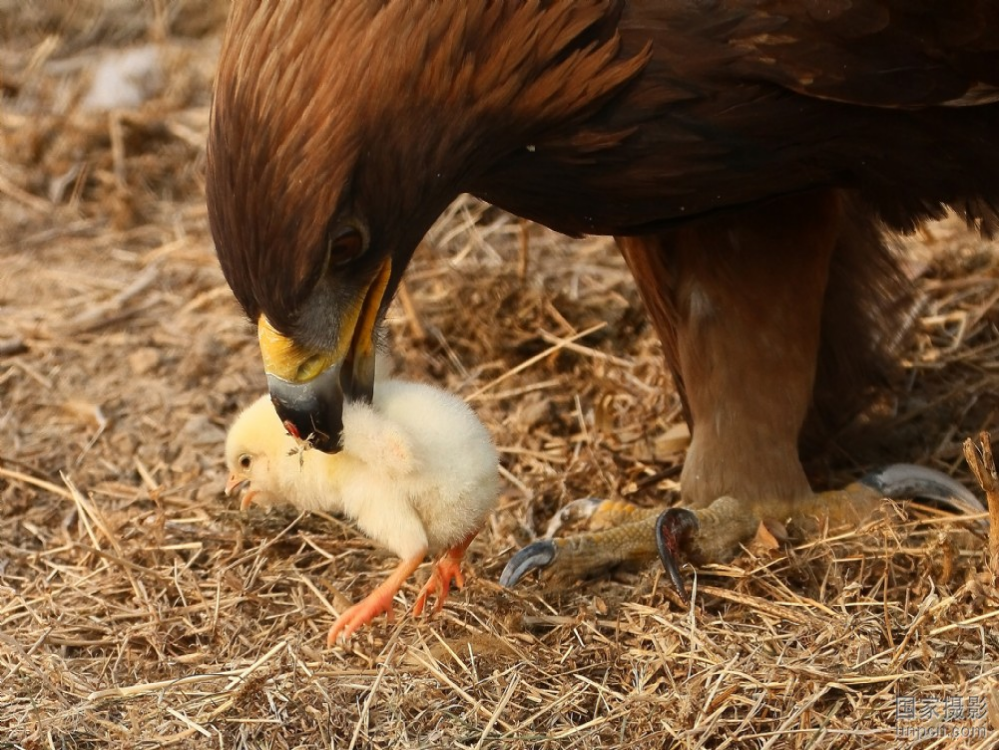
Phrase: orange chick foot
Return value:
(446, 570)
(378, 601)
(361, 614)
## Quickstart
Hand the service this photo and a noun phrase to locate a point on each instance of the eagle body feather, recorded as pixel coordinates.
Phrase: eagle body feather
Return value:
(747, 155)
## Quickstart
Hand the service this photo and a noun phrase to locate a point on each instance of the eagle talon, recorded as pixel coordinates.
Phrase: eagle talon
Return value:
(539, 554)
(673, 528)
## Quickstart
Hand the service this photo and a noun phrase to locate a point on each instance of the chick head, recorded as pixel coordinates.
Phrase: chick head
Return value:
(256, 441)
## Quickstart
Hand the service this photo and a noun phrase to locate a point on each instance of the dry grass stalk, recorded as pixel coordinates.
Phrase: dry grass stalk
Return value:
(139, 609)
(983, 466)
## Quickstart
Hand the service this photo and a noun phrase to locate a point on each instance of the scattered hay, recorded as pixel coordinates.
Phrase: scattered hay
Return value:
(138, 608)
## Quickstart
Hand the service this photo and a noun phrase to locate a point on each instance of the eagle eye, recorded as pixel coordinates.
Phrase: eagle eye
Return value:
(347, 242)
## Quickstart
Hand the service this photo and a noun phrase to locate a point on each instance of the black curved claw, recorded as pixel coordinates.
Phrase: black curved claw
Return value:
(903, 481)
(673, 528)
(539, 554)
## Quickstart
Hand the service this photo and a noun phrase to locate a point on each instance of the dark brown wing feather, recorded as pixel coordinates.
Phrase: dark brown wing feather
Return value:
(747, 100)
(590, 116)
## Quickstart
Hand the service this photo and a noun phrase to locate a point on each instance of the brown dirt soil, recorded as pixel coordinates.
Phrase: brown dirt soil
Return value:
(140, 608)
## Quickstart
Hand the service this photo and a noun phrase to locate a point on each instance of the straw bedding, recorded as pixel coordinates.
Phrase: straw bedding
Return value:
(139, 608)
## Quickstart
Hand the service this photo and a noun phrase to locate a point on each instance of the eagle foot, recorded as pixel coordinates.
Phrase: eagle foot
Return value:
(631, 535)
(673, 529)
(619, 533)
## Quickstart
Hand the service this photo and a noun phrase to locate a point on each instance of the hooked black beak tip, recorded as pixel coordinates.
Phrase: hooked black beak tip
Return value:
(312, 411)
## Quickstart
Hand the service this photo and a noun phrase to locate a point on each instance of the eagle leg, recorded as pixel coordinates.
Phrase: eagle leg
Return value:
(760, 312)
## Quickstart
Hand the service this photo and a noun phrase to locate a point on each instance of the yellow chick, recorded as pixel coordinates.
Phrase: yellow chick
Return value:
(417, 472)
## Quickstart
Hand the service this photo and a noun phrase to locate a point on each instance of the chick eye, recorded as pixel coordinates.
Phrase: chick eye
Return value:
(245, 461)
(347, 242)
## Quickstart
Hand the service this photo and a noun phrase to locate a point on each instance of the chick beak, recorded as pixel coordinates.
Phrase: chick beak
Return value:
(309, 388)
(235, 484)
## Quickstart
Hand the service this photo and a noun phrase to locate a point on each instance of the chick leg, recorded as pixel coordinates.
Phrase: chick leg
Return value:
(446, 570)
(375, 603)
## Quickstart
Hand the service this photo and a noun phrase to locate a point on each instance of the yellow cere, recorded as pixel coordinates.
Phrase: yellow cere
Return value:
(288, 361)
(295, 364)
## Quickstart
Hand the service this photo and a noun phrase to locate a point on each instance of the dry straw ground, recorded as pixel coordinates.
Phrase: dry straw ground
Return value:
(139, 608)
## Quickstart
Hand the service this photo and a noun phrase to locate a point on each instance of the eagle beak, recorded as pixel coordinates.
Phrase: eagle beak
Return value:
(309, 388)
